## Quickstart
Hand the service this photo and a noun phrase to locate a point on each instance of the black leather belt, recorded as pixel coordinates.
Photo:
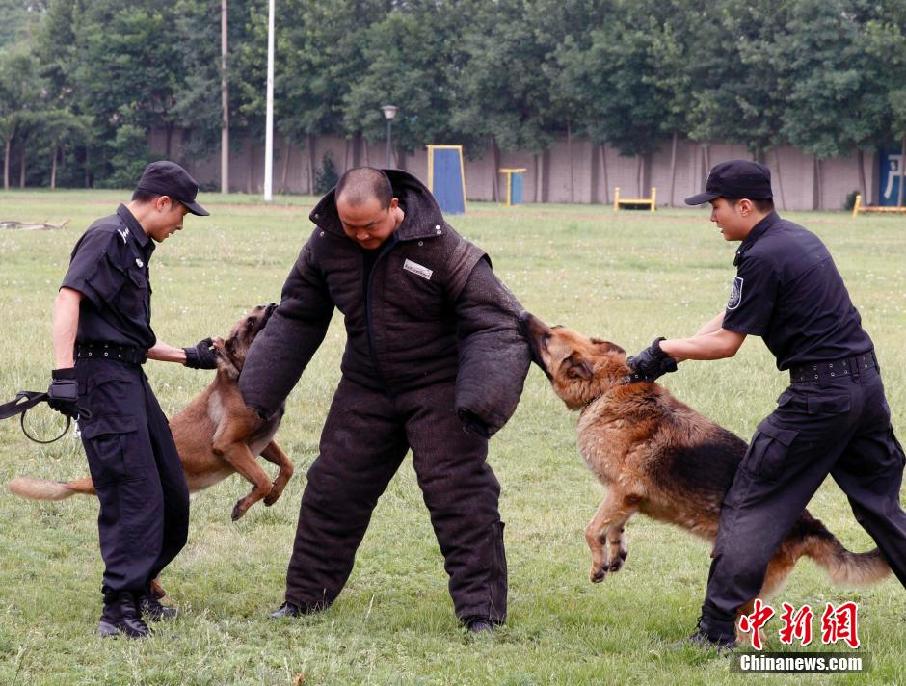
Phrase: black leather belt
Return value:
(823, 371)
(121, 353)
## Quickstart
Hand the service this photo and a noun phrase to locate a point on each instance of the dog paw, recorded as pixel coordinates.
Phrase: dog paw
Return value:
(597, 575)
(237, 512)
(272, 497)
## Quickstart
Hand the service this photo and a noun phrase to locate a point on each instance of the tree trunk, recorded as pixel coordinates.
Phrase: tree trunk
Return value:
(357, 150)
(537, 178)
(347, 150)
(545, 185)
(780, 179)
(638, 175)
(902, 163)
(287, 150)
(22, 167)
(87, 167)
(495, 163)
(604, 174)
(6, 154)
(569, 149)
(250, 186)
(673, 167)
(224, 104)
(53, 169)
(169, 129)
(310, 157)
(816, 185)
(706, 162)
(860, 159)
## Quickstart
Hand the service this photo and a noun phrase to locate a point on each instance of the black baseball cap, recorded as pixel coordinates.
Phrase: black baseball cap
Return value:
(168, 178)
(735, 179)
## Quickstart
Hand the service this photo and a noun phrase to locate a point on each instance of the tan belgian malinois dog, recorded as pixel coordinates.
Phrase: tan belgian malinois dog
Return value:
(215, 435)
(657, 456)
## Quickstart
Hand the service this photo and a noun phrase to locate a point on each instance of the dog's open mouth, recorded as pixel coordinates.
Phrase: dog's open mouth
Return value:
(535, 332)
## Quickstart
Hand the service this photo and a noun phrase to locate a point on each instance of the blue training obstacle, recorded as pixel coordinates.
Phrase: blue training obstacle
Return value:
(447, 177)
(513, 181)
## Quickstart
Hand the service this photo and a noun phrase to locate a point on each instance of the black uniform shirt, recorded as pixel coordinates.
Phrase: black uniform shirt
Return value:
(788, 291)
(109, 266)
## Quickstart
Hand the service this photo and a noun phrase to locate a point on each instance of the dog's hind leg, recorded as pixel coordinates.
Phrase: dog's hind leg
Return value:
(229, 443)
(241, 458)
(274, 453)
(616, 547)
(607, 527)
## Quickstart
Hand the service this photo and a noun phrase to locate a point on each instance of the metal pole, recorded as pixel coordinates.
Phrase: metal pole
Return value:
(269, 124)
(225, 103)
(389, 159)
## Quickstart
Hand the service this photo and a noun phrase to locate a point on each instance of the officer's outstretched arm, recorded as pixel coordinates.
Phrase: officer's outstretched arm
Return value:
(712, 324)
(714, 345)
(65, 325)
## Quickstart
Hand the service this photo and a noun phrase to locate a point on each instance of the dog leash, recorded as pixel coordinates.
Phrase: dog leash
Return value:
(26, 400)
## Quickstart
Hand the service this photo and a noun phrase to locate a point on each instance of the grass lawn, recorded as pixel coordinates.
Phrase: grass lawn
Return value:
(626, 278)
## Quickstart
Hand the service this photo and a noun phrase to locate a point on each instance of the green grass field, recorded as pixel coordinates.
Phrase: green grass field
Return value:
(625, 277)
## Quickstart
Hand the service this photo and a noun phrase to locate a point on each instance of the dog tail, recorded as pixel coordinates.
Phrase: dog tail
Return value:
(842, 566)
(42, 489)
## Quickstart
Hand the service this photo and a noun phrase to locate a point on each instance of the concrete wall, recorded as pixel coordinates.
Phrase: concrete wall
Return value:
(581, 172)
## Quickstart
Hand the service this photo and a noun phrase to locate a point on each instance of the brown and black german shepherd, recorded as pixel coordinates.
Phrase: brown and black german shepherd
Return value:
(657, 456)
(215, 435)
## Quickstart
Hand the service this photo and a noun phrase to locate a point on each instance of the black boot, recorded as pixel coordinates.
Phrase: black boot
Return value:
(714, 633)
(290, 609)
(120, 616)
(480, 625)
(151, 608)
(287, 610)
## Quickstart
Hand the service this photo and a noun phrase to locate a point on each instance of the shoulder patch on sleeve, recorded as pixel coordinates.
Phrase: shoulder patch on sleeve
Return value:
(735, 293)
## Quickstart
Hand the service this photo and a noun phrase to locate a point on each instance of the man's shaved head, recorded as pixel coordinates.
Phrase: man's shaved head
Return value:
(358, 186)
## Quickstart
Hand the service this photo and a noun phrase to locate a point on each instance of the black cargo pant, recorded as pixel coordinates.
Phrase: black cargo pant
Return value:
(365, 438)
(144, 501)
(837, 426)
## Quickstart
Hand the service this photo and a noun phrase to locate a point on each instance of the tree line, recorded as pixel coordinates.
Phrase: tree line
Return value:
(82, 82)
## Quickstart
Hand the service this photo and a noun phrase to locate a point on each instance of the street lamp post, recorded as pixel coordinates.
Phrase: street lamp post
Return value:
(389, 113)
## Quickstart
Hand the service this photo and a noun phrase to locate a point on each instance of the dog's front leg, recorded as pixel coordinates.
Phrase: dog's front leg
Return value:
(274, 453)
(612, 515)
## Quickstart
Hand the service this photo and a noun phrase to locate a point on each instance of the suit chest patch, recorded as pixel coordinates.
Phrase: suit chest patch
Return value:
(417, 269)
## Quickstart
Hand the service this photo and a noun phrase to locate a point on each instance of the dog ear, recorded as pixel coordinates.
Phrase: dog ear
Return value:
(607, 346)
(578, 368)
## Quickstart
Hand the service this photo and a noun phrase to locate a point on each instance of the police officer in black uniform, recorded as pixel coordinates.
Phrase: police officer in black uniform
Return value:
(832, 419)
(101, 337)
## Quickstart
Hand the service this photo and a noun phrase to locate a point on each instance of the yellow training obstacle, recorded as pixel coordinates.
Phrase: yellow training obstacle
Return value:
(859, 207)
(618, 201)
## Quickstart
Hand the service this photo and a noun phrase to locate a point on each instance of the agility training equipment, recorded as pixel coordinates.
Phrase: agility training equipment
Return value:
(514, 181)
(447, 177)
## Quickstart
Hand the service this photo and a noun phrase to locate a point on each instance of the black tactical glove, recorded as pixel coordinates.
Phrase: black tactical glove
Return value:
(473, 425)
(651, 363)
(63, 393)
(202, 356)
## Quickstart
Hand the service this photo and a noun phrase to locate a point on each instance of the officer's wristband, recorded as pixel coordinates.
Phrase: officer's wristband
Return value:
(63, 374)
